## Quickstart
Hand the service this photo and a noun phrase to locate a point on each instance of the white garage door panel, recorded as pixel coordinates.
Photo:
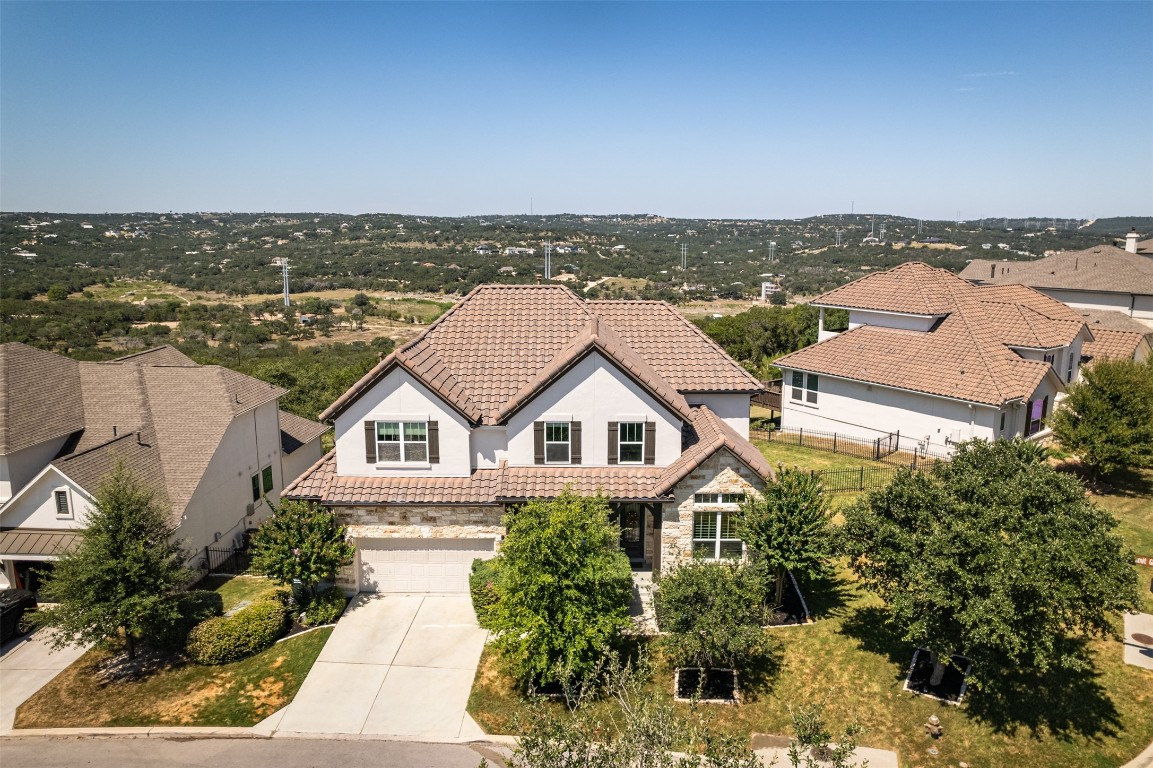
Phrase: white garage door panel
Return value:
(419, 565)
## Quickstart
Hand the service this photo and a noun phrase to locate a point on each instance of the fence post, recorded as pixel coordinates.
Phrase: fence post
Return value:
(834, 442)
(207, 560)
(801, 436)
(862, 478)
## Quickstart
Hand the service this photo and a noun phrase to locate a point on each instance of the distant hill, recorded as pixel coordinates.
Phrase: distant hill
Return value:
(1119, 225)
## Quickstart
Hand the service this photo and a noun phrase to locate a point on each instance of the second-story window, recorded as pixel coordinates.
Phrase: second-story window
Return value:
(804, 387)
(402, 441)
(631, 445)
(556, 442)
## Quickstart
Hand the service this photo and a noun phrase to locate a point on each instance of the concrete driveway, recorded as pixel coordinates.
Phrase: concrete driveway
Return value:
(396, 665)
(26, 666)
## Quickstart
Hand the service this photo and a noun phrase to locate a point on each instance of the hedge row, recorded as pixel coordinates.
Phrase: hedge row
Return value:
(224, 639)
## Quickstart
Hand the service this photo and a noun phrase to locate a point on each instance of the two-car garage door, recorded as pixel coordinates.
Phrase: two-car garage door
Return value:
(419, 565)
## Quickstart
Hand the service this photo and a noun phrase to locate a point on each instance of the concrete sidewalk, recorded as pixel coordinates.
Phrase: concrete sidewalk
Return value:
(1138, 640)
(396, 665)
(27, 665)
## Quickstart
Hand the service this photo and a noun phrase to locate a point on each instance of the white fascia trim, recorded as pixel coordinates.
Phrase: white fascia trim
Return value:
(887, 386)
(88, 496)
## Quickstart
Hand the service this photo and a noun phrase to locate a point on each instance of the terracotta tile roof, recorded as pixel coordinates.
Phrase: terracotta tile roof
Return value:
(703, 436)
(1100, 268)
(706, 434)
(39, 397)
(1116, 345)
(679, 351)
(965, 355)
(29, 541)
(296, 431)
(913, 288)
(500, 344)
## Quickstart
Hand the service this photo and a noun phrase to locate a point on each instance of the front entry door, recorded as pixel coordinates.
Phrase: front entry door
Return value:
(631, 518)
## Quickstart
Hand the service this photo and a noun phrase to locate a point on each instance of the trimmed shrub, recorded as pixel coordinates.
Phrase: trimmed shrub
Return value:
(194, 607)
(277, 594)
(712, 612)
(326, 607)
(227, 638)
(482, 584)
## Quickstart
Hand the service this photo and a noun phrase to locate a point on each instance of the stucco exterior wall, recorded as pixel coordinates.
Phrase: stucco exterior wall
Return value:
(594, 393)
(732, 409)
(721, 473)
(1116, 302)
(858, 317)
(19, 467)
(36, 505)
(869, 411)
(397, 397)
(294, 464)
(218, 505)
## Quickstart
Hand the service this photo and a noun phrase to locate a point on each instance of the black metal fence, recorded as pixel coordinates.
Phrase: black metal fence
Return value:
(854, 479)
(888, 449)
(228, 560)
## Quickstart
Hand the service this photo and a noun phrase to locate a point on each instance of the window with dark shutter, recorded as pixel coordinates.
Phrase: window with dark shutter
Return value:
(613, 431)
(538, 442)
(370, 442)
(575, 442)
(434, 442)
(266, 476)
(256, 487)
(650, 443)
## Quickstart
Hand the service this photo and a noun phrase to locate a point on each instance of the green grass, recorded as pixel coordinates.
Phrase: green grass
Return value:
(179, 693)
(810, 458)
(236, 589)
(852, 661)
(1130, 499)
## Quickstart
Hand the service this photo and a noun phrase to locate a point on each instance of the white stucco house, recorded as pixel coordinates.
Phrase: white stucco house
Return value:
(934, 358)
(1101, 278)
(517, 393)
(211, 440)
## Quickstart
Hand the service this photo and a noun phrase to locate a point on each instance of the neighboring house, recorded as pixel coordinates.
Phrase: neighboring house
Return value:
(211, 440)
(1099, 278)
(517, 393)
(1116, 336)
(933, 358)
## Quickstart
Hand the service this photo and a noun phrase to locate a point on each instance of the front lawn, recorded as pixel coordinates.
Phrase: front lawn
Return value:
(179, 693)
(779, 451)
(849, 658)
(235, 590)
(1130, 499)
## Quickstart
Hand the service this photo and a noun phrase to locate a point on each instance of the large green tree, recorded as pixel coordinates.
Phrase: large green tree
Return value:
(564, 588)
(994, 555)
(125, 572)
(302, 542)
(787, 526)
(1107, 418)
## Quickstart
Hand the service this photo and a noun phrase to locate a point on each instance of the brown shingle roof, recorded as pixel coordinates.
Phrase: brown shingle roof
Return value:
(1100, 268)
(136, 451)
(703, 436)
(296, 431)
(964, 356)
(39, 397)
(162, 355)
(500, 344)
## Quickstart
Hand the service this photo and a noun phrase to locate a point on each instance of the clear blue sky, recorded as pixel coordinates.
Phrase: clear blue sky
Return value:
(951, 110)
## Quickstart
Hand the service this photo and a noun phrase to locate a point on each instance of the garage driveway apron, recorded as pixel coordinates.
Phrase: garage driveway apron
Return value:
(397, 665)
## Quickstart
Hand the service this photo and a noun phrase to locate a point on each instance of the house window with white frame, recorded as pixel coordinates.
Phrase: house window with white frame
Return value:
(715, 526)
(804, 387)
(402, 441)
(631, 442)
(556, 442)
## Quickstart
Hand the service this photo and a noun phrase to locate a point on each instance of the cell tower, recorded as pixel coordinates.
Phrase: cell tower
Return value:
(282, 262)
(684, 256)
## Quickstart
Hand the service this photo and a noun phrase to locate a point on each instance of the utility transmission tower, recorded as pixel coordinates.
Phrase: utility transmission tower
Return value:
(684, 256)
(548, 261)
(282, 262)
(920, 225)
(772, 250)
(882, 230)
(839, 232)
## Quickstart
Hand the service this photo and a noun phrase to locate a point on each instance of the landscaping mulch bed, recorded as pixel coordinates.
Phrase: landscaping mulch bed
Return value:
(792, 608)
(719, 684)
(952, 686)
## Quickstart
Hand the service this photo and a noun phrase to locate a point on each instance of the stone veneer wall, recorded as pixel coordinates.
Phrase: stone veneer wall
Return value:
(721, 473)
(414, 522)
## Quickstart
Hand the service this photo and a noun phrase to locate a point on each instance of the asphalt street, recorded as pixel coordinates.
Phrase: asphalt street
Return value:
(73, 752)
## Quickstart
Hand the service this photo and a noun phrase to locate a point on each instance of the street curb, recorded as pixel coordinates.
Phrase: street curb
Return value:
(151, 732)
